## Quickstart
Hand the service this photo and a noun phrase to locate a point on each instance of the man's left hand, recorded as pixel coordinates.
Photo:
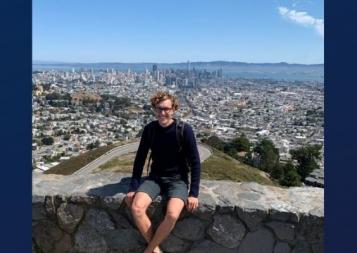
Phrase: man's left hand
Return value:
(192, 204)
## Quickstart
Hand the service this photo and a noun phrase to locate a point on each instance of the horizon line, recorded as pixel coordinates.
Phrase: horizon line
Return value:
(178, 62)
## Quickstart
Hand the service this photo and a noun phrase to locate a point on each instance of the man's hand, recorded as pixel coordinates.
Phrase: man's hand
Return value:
(192, 204)
(129, 198)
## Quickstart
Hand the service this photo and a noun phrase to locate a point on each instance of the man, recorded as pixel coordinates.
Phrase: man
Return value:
(168, 174)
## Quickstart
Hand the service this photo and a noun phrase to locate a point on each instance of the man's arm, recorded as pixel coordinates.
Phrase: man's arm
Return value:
(140, 158)
(193, 159)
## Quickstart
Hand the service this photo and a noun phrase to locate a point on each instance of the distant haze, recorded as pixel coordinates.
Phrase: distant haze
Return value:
(276, 71)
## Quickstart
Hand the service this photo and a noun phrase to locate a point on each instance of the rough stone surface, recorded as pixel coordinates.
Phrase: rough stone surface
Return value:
(227, 230)
(284, 231)
(205, 210)
(222, 193)
(318, 247)
(284, 216)
(38, 212)
(113, 203)
(173, 244)
(124, 240)
(312, 228)
(50, 206)
(231, 217)
(46, 234)
(282, 247)
(88, 240)
(302, 247)
(69, 216)
(120, 220)
(250, 243)
(208, 246)
(189, 229)
(251, 217)
(63, 245)
(84, 199)
(100, 220)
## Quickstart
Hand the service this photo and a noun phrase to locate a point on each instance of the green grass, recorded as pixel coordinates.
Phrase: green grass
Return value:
(220, 166)
(75, 163)
(121, 164)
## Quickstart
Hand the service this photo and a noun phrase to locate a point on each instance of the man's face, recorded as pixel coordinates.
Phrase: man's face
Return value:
(164, 112)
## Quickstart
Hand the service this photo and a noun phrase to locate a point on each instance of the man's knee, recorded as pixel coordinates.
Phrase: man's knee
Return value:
(172, 217)
(140, 205)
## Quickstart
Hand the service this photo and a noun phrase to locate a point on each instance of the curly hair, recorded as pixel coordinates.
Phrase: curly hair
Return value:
(161, 96)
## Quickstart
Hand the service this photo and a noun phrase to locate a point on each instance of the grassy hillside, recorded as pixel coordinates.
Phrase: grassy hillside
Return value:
(220, 166)
(75, 163)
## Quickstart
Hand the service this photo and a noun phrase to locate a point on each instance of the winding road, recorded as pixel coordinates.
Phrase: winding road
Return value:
(125, 149)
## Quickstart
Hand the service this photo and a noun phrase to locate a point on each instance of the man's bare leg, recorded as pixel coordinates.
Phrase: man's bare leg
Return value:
(174, 208)
(138, 209)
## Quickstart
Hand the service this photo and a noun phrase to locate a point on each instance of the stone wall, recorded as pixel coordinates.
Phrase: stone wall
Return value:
(73, 214)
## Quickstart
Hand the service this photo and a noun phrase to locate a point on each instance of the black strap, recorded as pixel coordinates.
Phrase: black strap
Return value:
(179, 134)
(151, 137)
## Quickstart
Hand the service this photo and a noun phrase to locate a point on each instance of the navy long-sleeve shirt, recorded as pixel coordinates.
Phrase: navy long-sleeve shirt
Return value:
(166, 156)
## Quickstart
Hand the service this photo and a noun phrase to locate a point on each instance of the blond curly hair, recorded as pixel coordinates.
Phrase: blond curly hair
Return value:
(161, 96)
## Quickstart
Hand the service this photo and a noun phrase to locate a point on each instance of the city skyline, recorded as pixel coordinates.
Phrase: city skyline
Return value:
(166, 32)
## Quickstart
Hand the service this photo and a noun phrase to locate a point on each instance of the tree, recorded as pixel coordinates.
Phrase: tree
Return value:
(66, 137)
(93, 145)
(278, 172)
(216, 142)
(268, 155)
(241, 143)
(306, 157)
(47, 140)
(290, 175)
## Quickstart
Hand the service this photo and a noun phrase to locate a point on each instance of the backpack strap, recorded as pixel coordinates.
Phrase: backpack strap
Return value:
(180, 126)
(179, 134)
(151, 138)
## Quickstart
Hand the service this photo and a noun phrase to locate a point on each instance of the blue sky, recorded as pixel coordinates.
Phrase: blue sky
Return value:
(178, 30)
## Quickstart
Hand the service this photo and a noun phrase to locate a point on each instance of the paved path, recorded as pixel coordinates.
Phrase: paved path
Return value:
(125, 149)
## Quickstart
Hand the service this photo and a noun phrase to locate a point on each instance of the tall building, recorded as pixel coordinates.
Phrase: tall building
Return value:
(155, 72)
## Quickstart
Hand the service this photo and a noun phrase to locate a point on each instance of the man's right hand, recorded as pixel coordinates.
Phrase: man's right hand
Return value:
(129, 198)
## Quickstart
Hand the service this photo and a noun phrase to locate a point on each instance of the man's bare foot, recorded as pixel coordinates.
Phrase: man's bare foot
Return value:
(156, 250)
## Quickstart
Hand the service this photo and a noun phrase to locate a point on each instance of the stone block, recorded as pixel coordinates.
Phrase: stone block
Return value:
(227, 230)
(284, 231)
(208, 246)
(260, 241)
(112, 202)
(88, 240)
(311, 228)
(120, 220)
(253, 218)
(284, 216)
(69, 216)
(191, 229)
(46, 234)
(173, 244)
(302, 247)
(124, 240)
(38, 212)
(63, 245)
(282, 247)
(99, 219)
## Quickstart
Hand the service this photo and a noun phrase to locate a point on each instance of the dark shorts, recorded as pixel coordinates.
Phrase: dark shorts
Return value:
(168, 187)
